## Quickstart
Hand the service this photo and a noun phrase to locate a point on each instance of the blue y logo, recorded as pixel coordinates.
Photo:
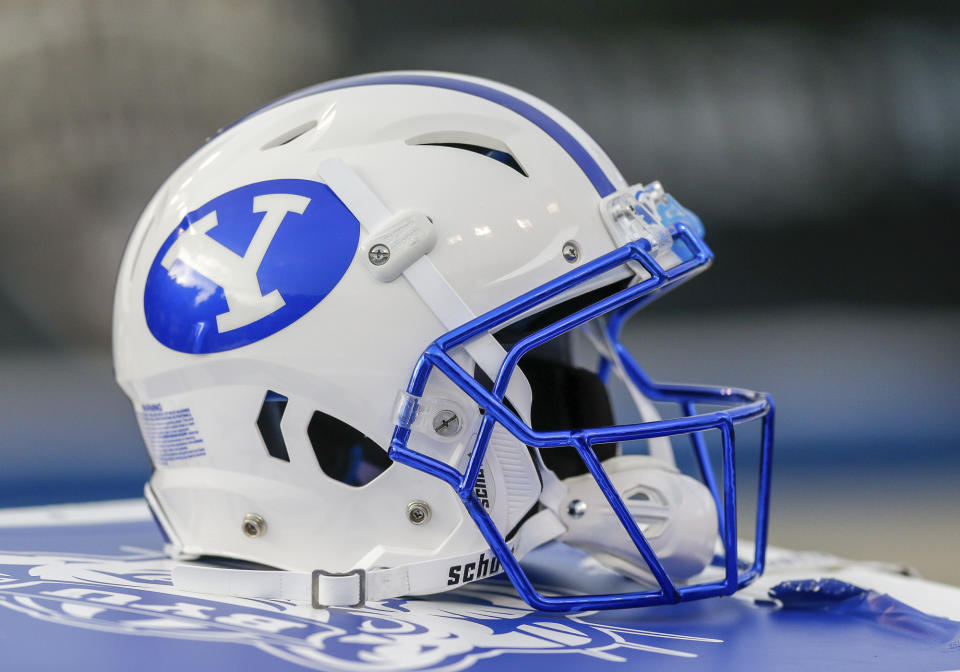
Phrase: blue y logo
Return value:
(247, 264)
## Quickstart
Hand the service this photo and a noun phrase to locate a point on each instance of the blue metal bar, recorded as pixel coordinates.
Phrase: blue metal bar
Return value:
(755, 407)
(603, 369)
(742, 406)
(763, 489)
(476, 456)
(704, 463)
(729, 505)
(637, 251)
(616, 503)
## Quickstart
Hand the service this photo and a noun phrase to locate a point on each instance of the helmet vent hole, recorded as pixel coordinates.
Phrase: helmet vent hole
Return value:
(505, 158)
(290, 135)
(268, 422)
(491, 148)
(343, 453)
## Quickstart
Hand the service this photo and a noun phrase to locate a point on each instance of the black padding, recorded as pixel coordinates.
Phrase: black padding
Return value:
(557, 348)
(565, 397)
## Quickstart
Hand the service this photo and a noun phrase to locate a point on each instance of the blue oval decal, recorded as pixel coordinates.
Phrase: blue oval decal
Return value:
(247, 264)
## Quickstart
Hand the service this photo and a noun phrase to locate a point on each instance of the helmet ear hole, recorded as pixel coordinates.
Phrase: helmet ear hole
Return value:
(268, 424)
(343, 453)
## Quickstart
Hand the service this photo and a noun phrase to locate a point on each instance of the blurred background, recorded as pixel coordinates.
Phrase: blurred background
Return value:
(822, 150)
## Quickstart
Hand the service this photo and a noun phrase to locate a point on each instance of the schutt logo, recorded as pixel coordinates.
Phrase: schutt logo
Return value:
(472, 571)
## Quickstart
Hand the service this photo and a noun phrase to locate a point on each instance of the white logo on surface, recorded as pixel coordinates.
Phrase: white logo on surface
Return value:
(132, 595)
(236, 274)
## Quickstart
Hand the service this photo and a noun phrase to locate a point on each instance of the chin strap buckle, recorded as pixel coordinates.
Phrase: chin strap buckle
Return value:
(337, 588)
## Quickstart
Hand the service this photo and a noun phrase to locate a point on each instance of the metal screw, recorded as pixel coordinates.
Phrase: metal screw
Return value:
(446, 423)
(576, 508)
(379, 254)
(254, 525)
(571, 251)
(418, 512)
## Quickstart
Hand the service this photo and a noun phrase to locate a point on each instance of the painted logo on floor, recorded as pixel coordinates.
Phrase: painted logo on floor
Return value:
(132, 594)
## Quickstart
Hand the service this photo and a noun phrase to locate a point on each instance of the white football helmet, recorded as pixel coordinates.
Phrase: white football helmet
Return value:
(319, 319)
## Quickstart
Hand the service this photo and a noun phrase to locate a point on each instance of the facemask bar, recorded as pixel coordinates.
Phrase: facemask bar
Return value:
(751, 406)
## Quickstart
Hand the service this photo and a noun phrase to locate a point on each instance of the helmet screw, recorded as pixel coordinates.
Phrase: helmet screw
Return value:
(571, 251)
(446, 423)
(379, 254)
(576, 508)
(418, 512)
(254, 525)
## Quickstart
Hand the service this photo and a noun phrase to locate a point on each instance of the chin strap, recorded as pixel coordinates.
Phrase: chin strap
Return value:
(675, 513)
(352, 589)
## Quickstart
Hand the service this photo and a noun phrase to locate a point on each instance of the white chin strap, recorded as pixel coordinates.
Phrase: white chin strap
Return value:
(675, 513)
(352, 589)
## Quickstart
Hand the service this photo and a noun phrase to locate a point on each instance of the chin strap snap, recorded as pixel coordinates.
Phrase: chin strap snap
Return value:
(675, 513)
(354, 588)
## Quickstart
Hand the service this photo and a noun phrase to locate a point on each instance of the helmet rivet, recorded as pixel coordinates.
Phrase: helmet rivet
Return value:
(446, 423)
(254, 525)
(576, 508)
(379, 254)
(418, 512)
(571, 251)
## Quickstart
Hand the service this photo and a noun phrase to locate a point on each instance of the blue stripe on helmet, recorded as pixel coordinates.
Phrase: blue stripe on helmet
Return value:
(571, 146)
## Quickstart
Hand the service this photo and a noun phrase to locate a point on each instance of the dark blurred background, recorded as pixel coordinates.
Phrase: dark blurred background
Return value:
(820, 145)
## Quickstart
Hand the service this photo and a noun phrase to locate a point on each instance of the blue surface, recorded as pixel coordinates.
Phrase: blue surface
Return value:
(182, 305)
(98, 597)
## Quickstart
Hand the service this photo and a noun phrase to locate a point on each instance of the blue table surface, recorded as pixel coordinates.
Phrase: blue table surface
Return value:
(98, 597)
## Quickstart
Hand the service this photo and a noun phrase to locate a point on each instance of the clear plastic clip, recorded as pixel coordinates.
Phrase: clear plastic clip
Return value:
(669, 211)
(631, 214)
(441, 419)
(406, 409)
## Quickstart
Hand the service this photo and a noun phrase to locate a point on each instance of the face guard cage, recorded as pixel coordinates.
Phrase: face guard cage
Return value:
(744, 406)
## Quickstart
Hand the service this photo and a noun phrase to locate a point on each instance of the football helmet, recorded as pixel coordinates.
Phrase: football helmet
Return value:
(368, 332)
